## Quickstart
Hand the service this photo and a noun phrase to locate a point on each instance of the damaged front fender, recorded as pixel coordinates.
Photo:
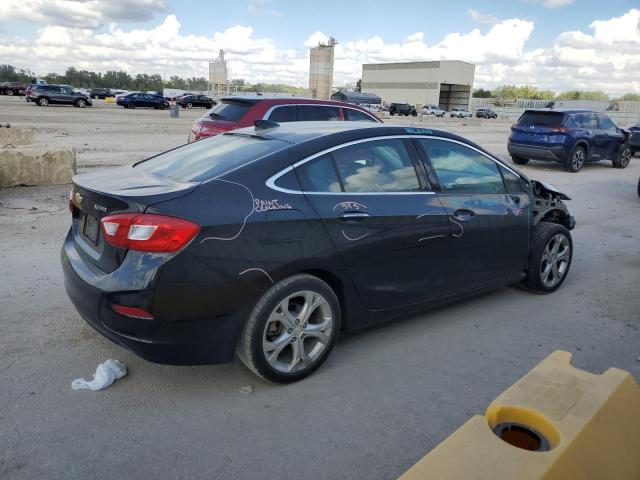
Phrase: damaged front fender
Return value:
(547, 205)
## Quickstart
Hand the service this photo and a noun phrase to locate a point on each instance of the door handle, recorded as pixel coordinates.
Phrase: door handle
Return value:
(353, 216)
(464, 215)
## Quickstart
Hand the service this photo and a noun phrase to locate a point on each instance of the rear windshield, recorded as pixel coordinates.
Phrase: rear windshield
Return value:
(541, 118)
(209, 158)
(229, 111)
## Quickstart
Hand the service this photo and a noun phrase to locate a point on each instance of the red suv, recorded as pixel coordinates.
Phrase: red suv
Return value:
(239, 112)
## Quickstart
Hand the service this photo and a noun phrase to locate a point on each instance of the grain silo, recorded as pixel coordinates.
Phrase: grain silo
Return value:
(218, 83)
(321, 70)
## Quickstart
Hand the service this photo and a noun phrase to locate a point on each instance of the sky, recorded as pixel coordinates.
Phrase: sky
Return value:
(553, 44)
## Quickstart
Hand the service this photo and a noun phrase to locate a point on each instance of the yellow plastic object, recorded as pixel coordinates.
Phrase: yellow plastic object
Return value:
(109, 99)
(590, 423)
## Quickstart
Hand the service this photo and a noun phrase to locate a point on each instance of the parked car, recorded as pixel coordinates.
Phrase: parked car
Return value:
(133, 100)
(12, 88)
(44, 95)
(402, 109)
(237, 112)
(433, 110)
(190, 101)
(269, 241)
(634, 139)
(571, 137)
(101, 93)
(486, 113)
(460, 113)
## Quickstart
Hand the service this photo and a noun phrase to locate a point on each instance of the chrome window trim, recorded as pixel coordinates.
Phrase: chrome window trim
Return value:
(268, 112)
(270, 183)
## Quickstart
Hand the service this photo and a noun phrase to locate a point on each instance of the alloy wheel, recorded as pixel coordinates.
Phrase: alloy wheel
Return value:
(578, 159)
(297, 332)
(625, 156)
(555, 260)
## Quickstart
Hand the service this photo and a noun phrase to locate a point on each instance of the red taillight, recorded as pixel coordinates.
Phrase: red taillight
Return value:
(148, 232)
(134, 312)
(560, 130)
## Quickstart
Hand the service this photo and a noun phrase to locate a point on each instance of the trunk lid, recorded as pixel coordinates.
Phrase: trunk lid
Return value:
(539, 127)
(118, 190)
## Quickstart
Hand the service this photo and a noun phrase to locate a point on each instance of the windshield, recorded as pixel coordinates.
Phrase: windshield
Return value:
(230, 111)
(209, 158)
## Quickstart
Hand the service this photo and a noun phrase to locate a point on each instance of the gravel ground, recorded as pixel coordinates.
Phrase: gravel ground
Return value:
(384, 397)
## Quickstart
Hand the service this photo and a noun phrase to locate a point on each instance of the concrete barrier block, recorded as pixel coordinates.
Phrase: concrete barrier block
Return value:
(15, 136)
(36, 165)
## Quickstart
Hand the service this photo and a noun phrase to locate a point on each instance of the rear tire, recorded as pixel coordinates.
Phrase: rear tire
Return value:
(550, 257)
(291, 330)
(576, 160)
(623, 156)
(519, 160)
(10, 92)
(43, 102)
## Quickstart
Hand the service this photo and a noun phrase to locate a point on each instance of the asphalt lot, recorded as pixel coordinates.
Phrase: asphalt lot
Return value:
(384, 397)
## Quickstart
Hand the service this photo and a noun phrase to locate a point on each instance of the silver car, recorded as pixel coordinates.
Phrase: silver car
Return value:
(461, 113)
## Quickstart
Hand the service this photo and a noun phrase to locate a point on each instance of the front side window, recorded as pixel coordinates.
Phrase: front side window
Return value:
(461, 169)
(512, 181)
(313, 113)
(605, 123)
(356, 116)
(376, 166)
(283, 114)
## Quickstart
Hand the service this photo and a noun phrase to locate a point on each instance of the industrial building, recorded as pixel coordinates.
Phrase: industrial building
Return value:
(447, 84)
(321, 69)
(359, 98)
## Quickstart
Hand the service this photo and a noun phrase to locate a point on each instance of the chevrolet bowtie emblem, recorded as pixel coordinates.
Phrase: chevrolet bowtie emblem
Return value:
(77, 200)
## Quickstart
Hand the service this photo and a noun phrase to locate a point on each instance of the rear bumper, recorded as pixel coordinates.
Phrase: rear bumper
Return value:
(537, 152)
(209, 341)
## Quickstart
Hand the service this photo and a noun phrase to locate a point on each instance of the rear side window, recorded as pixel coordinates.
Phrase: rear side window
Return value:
(313, 113)
(208, 158)
(356, 115)
(588, 120)
(230, 111)
(376, 166)
(283, 114)
(319, 175)
(545, 119)
(461, 169)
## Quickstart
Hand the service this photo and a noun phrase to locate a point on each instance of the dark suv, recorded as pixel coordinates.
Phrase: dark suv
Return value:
(571, 137)
(190, 101)
(101, 93)
(12, 88)
(237, 112)
(45, 95)
(402, 109)
(486, 113)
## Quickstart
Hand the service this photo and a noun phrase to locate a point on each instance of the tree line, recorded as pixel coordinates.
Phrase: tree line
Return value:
(141, 81)
(529, 92)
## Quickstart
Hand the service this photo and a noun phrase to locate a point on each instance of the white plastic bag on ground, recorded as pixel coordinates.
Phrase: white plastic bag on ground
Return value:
(105, 375)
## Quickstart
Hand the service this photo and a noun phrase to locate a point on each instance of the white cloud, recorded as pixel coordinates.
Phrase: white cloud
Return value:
(606, 57)
(81, 13)
(483, 17)
(556, 3)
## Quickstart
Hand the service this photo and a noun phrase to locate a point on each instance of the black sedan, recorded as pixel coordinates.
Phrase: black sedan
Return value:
(269, 241)
(134, 100)
(190, 101)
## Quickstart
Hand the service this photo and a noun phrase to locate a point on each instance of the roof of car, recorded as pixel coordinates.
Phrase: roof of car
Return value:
(575, 110)
(297, 132)
(250, 99)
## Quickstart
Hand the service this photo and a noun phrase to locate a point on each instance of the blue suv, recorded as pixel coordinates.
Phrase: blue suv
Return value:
(571, 137)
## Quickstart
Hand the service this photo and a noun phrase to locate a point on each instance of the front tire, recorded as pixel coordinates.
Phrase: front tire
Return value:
(80, 103)
(550, 257)
(623, 157)
(576, 160)
(519, 160)
(291, 329)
